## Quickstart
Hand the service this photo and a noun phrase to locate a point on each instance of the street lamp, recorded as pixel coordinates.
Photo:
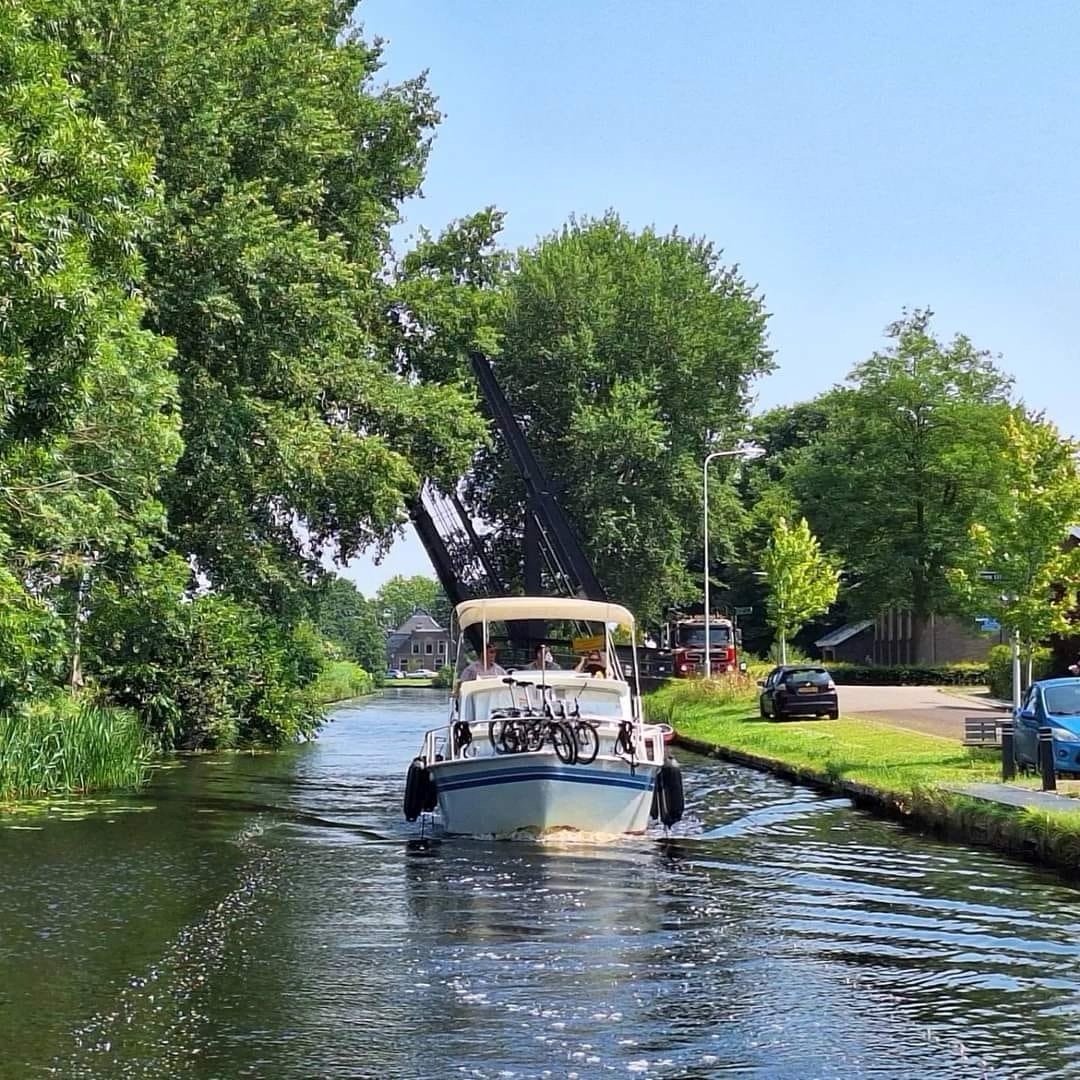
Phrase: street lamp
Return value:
(747, 452)
(1008, 600)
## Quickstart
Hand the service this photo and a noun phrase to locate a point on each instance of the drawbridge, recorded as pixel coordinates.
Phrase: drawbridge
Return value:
(553, 561)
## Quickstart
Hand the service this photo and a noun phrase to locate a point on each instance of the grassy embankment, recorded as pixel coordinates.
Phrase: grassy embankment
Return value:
(64, 745)
(340, 680)
(882, 768)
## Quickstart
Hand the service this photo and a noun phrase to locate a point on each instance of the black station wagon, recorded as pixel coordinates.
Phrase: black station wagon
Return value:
(798, 690)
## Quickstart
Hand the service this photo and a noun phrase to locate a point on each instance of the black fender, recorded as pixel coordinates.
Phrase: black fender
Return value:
(668, 797)
(417, 796)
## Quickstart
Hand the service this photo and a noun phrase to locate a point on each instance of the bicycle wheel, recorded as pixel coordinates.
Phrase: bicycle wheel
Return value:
(534, 734)
(496, 730)
(562, 740)
(514, 737)
(587, 743)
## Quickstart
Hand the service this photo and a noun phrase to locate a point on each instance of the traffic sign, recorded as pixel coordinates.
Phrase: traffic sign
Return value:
(744, 611)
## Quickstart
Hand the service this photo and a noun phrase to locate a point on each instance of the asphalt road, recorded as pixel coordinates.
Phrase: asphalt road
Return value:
(914, 708)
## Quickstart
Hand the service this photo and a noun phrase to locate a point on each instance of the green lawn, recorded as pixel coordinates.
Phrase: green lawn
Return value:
(847, 749)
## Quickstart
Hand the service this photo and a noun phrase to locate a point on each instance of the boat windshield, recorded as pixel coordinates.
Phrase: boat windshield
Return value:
(592, 700)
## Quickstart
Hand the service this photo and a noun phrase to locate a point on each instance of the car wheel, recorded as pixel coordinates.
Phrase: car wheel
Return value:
(834, 714)
(761, 709)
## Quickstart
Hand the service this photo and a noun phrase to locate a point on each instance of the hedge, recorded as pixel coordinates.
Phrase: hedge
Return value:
(964, 674)
(999, 678)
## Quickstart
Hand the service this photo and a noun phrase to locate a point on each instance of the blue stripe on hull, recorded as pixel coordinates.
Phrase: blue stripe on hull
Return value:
(545, 772)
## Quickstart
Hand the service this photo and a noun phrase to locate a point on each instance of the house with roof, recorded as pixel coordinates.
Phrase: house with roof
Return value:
(890, 639)
(853, 643)
(419, 642)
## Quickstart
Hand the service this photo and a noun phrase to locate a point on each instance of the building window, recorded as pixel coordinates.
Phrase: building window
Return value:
(442, 646)
(416, 648)
(429, 647)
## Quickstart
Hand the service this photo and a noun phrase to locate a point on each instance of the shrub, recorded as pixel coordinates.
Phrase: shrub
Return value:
(341, 680)
(961, 674)
(999, 676)
(31, 642)
(212, 672)
(444, 677)
(794, 655)
(58, 744)
(723, 690)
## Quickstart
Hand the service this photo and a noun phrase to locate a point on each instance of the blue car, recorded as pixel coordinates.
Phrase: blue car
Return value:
(1052, 703)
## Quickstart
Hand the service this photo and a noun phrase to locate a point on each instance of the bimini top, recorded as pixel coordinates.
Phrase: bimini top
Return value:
(551, 608)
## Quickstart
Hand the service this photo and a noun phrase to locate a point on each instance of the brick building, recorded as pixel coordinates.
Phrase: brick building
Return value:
(419, 642)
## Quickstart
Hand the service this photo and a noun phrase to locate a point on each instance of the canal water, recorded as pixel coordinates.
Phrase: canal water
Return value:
(266, 916)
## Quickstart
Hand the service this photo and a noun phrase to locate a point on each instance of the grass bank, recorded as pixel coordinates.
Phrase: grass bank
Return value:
(895, 772)
(340, 680)
(65, 745)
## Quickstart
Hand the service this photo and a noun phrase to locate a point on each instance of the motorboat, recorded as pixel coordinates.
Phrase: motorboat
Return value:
(536, 752)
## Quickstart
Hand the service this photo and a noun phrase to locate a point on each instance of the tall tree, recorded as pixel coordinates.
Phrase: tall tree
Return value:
(88, 407)
(283, 166)
(910, 459)
(399, 597)
(802, 581)
(626, 356)
(1021, 536)
(354, 623)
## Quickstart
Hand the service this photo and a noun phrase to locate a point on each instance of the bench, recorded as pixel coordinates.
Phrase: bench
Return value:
(981, 731)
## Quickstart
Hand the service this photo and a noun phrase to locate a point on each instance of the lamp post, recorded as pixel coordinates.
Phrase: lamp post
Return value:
(1008, 600)
(747, 452)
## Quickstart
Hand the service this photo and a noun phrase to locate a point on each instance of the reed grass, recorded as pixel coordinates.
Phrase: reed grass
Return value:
(341, 680)
(60, 744)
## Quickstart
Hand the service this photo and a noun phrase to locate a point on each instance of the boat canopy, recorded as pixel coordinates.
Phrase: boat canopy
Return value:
(549, 608)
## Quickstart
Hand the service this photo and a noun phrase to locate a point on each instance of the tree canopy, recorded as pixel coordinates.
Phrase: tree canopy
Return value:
(1029, 578)
(77, 367)
(801, 579)
(282, 168)
(397, 598)
(909, 459)
(352, 622)
(626, 357)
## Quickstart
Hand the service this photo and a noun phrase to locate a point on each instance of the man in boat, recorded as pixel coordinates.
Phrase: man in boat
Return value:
(542, 659)
(485, 668)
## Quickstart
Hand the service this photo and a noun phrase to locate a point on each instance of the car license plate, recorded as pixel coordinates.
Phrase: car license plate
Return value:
(806, 688)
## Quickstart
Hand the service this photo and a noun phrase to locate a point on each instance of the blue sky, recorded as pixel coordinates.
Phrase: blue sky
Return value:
(853, 158)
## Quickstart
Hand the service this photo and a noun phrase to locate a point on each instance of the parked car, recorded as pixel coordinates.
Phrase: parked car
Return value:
(1052, 703)
(395, 673)
(424, 673)
(798, 690)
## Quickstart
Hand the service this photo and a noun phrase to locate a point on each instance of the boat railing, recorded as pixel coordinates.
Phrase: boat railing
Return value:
(508, 733)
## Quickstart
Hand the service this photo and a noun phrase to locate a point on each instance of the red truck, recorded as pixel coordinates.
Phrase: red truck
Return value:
(685, 637)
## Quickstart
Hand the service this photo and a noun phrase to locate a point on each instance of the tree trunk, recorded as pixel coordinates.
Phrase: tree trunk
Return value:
(783, 647)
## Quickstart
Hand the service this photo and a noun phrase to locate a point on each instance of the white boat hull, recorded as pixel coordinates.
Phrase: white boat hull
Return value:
(536, 793)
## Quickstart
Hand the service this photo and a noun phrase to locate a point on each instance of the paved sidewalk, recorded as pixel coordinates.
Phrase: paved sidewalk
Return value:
(1011, 795)
(928, 710)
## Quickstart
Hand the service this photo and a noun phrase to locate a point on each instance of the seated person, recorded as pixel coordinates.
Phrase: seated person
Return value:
(592, 663)
(542, 659)
(485, 668)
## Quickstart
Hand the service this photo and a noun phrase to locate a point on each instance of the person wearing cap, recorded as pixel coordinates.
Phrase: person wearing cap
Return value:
(485, 668)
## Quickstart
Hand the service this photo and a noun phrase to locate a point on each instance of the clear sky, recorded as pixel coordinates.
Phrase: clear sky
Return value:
(853, 157)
